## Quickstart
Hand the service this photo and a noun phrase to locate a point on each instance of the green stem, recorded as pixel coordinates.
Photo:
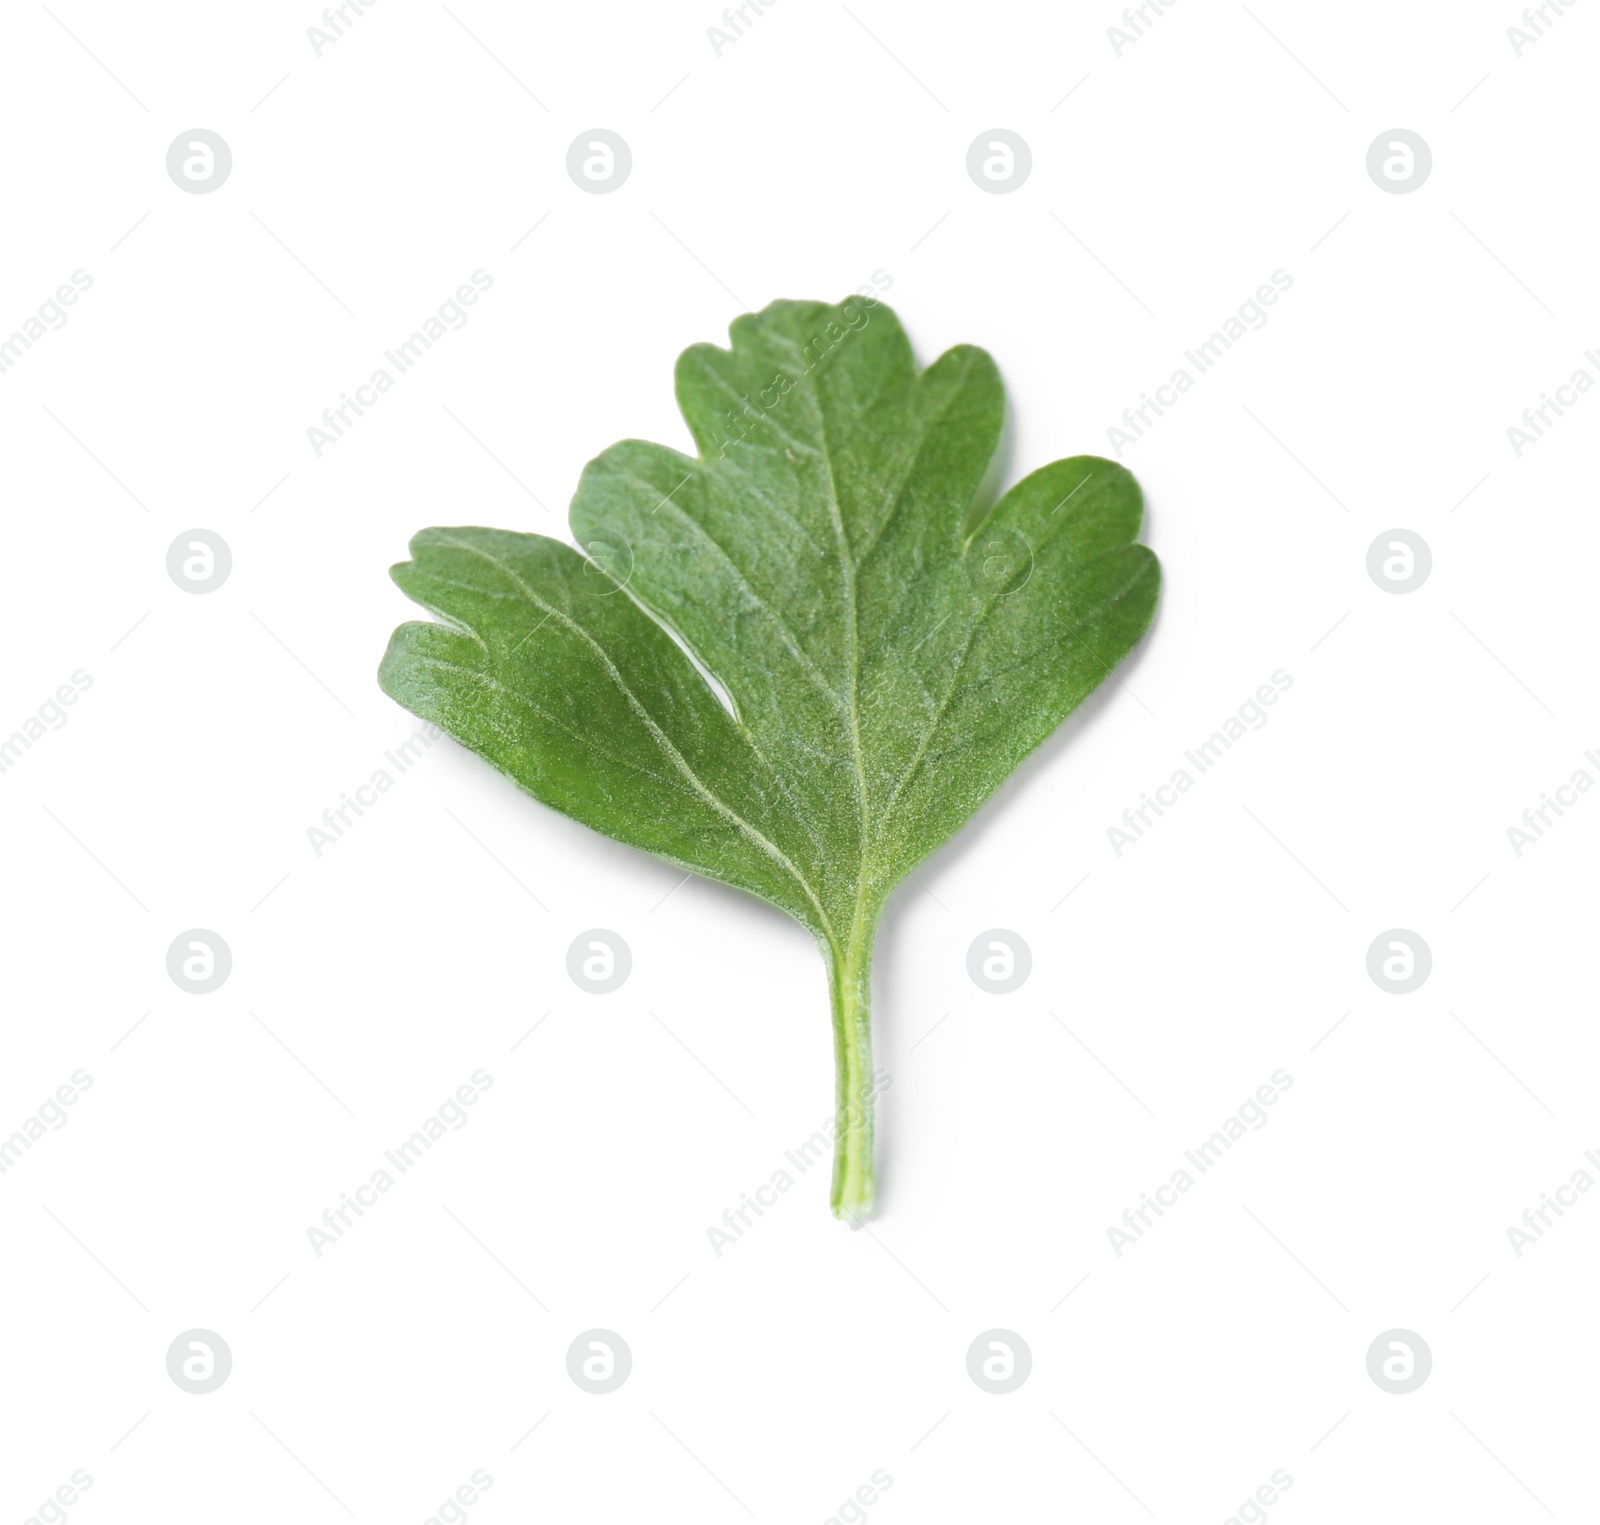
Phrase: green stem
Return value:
(850, 990)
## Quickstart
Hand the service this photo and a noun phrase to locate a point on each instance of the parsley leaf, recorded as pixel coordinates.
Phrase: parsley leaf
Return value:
(799, 661)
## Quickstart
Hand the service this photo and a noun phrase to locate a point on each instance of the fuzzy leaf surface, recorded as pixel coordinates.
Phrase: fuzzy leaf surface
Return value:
(800, 659)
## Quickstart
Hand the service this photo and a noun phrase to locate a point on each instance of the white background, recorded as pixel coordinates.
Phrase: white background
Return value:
(368, 983)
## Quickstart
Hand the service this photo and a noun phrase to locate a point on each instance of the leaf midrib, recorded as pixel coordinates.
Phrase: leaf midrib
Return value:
(870, 828)
(847, 570)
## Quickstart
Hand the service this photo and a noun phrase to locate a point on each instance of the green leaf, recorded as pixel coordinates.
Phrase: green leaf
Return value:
(799, 661)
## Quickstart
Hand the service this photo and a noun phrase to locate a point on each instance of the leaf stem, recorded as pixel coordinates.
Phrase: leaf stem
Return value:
(850, 990)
